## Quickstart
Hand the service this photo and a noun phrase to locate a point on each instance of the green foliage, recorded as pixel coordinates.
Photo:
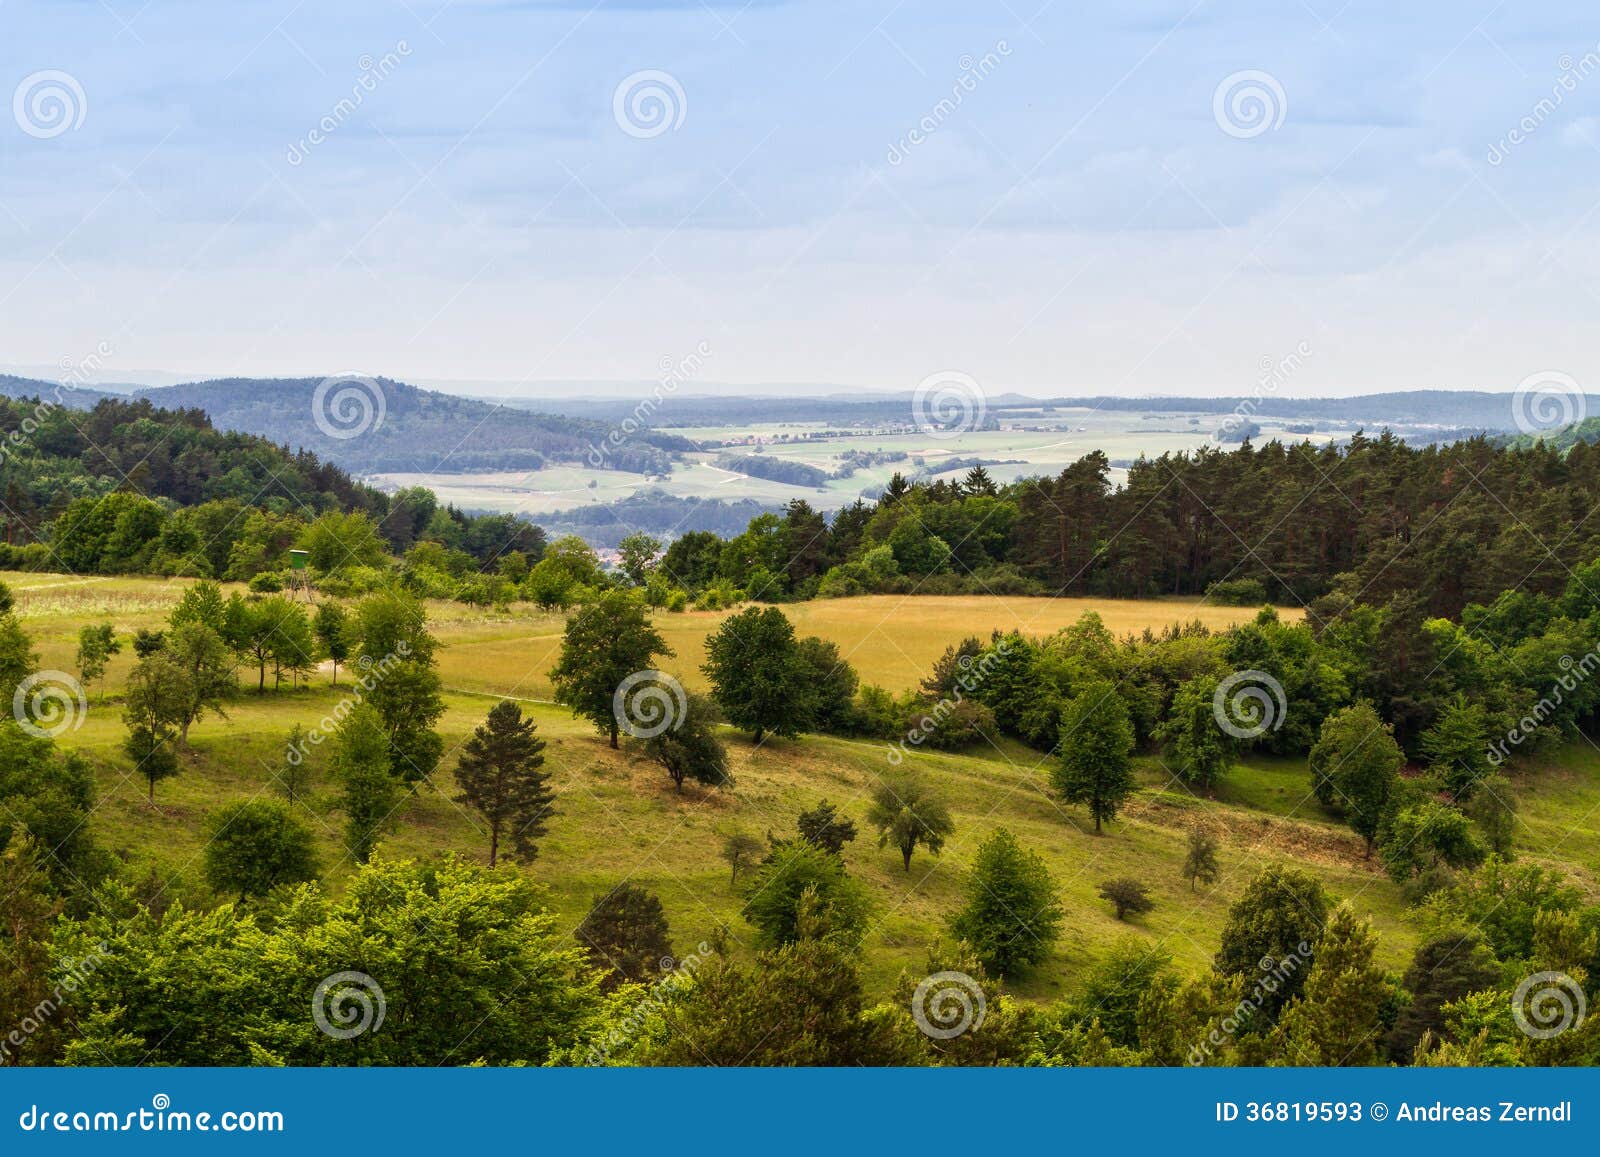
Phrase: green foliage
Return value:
(1200, 863)
(332, 626)
(1428, 835)
(1011, 916)
(1355, 766)
(796, 875)
(292, 774)
(1444, 970)
(1127, 897)
(255, 847)
(519, 990)
(1457, 747)
(742, 851)
(501, 776)
(1274, 926)
(626, 936)
(637, 555)
(97, 643)
(1337, 1021)
(399, 679)
(1095, 768)
(824, 827)
(691, 747)
(909, 814)
(46, 798)
(1196, 744)
(604, 643)
(370, 791)
(755, 668)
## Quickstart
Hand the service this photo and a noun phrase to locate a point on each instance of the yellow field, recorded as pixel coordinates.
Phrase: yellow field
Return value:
(892, 640)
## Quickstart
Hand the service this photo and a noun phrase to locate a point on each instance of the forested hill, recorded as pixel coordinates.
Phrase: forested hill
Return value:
(377, 425)
(73, 397)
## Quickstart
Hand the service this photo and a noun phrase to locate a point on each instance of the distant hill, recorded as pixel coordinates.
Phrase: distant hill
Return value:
(1565, 438)
(409, 429)
(73, 397)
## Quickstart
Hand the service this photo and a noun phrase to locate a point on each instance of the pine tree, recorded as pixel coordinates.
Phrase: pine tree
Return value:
(501, 777)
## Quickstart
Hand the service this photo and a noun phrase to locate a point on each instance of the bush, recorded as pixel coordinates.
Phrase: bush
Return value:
(1128, 897)
(266, 583)
(1245, 592)
(949, 725)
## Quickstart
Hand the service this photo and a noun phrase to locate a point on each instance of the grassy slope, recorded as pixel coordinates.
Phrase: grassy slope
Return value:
(619, 819)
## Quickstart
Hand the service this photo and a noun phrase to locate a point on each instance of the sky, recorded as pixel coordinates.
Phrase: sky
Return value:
(535, 197)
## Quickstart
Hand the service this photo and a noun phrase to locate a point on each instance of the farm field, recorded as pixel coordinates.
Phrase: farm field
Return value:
(1062, 437)
(891, 640)
(618, 817)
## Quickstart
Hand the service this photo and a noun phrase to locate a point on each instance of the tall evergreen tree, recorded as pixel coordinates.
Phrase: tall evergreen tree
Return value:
(1095, 767)
(502, 778)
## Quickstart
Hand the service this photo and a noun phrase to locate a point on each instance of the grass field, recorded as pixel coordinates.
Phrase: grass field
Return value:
(620, 819)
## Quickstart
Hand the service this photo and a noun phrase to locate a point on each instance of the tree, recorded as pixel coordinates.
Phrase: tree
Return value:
(1201, 863)
(1493, 807)
(1355, 765)
(691, 748)
(797, 878)
(636, 555)
(1426, 835)
(97, 643)
(27, 912)
(1127, 896)
(605, 642)
(201, 603)
(156, 701)
(502, 778)
(1011, 916)
(742, 851)
(256, 846)
(828, 684)
(907, 813)
(626, 936)
(1444, 970)
(1337, 1020)
(361, 767)
(754, 666)
(1273, 927)
(824, 827)
(1096, 743)
(208, 672)
(399, 676)
(1457, 747)
(293, 774)
(332, 628)
(338, 539)
(1195, 740)
(147, 642)
(18, 659)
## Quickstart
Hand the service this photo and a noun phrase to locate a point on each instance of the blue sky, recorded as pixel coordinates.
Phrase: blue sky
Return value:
(1078, 222)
